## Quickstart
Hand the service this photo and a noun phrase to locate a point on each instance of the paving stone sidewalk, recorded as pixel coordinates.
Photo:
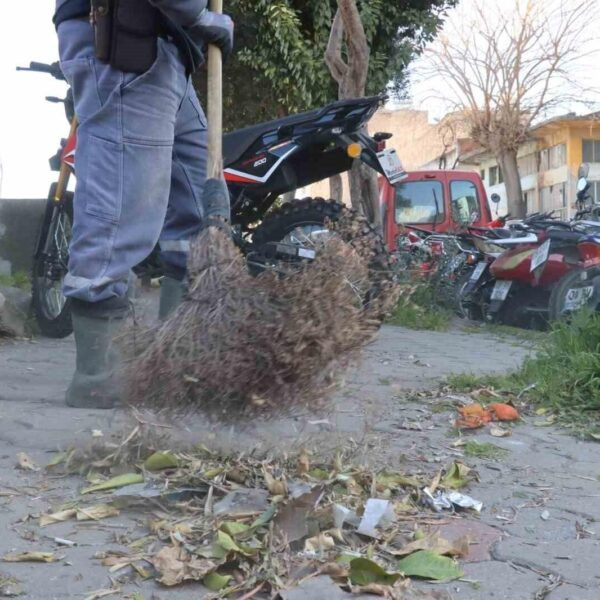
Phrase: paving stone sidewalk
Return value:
(537, 534)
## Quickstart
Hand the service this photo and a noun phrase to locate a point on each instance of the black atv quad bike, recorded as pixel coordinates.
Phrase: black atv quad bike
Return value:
(262, 163)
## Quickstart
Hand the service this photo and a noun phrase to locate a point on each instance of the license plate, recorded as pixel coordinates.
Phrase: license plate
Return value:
(391, 165)
(540, 256)
(578, 297)
(501, 289)
(478, 272)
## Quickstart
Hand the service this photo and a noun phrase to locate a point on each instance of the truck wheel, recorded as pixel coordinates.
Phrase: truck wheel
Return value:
(576, 290)
(303, 222)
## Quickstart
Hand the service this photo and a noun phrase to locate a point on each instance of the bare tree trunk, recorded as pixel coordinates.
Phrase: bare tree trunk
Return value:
(512, 180)
(357, 200)
(350, 70)
(336, 188)
(289, 196)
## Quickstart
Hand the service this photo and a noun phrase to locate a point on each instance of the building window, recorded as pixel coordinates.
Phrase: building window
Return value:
(527, 165)
(529, 196)
(595, 191)
(591, 151)
(493, 176)
(482, 174)
(553, 158)
(419, 202)
(558, 156)
(554, 197)
(465, 202)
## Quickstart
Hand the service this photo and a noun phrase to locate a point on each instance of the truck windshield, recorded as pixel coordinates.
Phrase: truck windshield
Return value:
(416, 202)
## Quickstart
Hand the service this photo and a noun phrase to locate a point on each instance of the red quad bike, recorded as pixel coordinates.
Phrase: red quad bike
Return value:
(548, 269)
(262, 162)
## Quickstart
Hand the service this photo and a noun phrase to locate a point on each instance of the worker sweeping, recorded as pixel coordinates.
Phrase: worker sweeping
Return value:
(141, 162)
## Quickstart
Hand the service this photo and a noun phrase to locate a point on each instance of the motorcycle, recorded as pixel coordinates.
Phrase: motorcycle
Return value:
(262, 162)
(542, 268)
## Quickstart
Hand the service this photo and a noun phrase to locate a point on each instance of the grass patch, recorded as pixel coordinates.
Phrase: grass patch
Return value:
(467, 382)
(565, 373)
(508, 332)
(417, 309)
(474, 449)
(19, 280)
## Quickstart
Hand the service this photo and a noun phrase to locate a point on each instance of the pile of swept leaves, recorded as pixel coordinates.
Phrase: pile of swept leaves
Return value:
(239, 524)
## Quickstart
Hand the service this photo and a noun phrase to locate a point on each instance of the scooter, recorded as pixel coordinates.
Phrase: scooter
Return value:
(261, 162)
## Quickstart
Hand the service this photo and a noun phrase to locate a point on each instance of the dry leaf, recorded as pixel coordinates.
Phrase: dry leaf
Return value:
(58, 517)
(499, 431)
(435, 543)
(375, 589)
(26, 463)
(97, 512)
(276, 487)
(46, 557)
(176, 566)
(334, 570)
(303, 462)
(319, 543)
(103, 593)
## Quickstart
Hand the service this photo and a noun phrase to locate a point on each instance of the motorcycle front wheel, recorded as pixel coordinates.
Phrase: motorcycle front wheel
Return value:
(304, 223)
(51, 309)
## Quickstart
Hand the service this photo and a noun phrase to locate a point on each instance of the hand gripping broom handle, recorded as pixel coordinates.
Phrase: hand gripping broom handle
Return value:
(215, 105)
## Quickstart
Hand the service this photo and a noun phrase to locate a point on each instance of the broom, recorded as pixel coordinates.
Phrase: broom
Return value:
(241, 347)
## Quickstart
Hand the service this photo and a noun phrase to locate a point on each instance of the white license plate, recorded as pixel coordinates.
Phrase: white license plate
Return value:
(501, 289)
(391, 165)
(578, 297)
(478, 272)
(540, 256)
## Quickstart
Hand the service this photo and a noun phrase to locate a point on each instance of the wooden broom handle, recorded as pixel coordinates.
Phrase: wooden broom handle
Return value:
(215, 104)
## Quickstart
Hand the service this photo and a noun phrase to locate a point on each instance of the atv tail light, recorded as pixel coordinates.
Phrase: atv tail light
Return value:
(354, 150)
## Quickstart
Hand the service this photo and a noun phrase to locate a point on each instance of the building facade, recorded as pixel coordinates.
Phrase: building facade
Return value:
(548, 164)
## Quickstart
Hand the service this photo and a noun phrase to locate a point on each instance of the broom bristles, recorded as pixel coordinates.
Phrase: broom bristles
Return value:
(242, 347)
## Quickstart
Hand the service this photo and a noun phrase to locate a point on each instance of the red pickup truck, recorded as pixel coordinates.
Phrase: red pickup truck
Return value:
(439, 201)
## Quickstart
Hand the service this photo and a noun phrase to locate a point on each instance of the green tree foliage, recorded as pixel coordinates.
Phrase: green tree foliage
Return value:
(279, 67)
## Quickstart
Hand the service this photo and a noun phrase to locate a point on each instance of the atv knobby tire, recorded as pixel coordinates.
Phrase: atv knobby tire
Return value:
(353, 229)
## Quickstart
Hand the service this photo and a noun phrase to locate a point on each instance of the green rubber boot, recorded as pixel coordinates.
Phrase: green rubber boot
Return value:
(96, 382)
(171, 295)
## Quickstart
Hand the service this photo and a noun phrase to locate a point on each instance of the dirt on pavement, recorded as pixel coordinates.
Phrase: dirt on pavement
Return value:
(537, 533)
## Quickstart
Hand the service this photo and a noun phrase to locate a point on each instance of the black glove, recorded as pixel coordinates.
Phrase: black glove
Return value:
(213, 28)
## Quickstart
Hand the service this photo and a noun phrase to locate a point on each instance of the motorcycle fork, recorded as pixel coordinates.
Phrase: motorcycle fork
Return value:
(64, 174)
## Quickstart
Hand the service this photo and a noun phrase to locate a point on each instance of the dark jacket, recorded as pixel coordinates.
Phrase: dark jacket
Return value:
(177, 14)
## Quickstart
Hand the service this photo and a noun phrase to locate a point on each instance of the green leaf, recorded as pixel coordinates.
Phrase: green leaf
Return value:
(114, 483)
(319, 474)
(265, 518)
(429, 565)
(57, 460)
(160, 461)
(458, 476)
(394, 480)
(234, 528)
(215, 582)
(364, 572)
(226, 542)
